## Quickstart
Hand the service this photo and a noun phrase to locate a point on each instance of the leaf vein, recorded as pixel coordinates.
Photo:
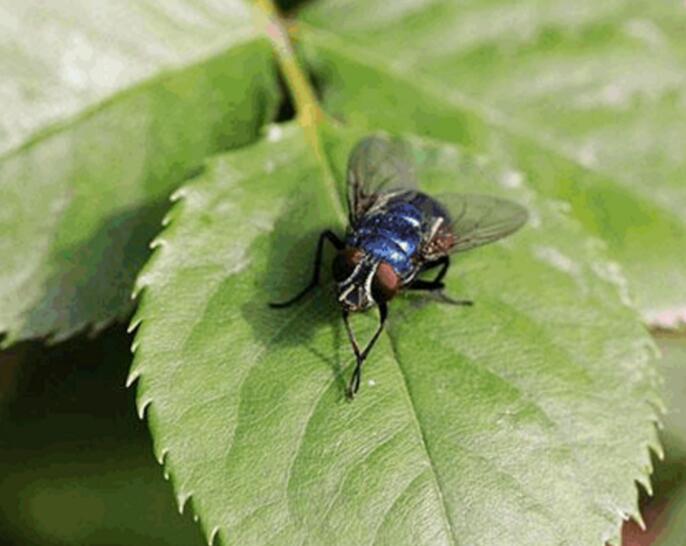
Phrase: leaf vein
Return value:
(394, 503)
(447, 521)
(348, 472)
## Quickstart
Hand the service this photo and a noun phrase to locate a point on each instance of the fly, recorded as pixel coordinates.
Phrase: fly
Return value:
(397, 232)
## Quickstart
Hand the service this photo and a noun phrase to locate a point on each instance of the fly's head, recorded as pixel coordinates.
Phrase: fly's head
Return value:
(362, 281)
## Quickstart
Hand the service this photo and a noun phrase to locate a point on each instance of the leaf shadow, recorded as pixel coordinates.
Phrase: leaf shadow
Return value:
(92, 281)
(290, 254)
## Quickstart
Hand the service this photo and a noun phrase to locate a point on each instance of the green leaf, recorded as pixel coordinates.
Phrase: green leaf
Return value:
(523, 420)
(107, 107)
(587, 96)
(673, 368)
(673, 520)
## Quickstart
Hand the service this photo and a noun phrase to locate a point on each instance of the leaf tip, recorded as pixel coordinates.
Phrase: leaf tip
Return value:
(181, 500)
(638, 519)
(142, 408)
(135, 322)
(157, 242)
(178, 194)
(134, 345)
(658, 450)
(162, 456)
(213, 535)
(134, 374)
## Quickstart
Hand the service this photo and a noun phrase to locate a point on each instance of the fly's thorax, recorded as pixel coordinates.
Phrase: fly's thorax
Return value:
(362, 280)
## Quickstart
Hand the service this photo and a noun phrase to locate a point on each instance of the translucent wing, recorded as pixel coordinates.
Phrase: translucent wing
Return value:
(474, 220)
(377, 164)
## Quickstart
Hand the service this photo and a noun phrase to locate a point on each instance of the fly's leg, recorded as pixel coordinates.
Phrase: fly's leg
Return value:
(356, 378)
(437, 288)
(326, 235)
(444, 263)
(436, 285)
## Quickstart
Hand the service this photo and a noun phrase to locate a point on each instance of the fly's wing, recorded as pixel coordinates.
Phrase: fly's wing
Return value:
(475, 220)
(377, 164)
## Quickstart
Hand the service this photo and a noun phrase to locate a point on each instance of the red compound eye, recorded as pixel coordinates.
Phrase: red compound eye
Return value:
(386, 283)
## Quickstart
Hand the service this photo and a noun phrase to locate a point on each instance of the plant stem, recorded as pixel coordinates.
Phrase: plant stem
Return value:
(308, 113)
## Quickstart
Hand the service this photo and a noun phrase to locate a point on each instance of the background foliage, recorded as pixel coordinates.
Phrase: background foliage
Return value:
(572, 109)
(108, 107)
(583, 96)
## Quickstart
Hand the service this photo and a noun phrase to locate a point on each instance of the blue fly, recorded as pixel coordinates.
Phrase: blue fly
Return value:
(396, 232)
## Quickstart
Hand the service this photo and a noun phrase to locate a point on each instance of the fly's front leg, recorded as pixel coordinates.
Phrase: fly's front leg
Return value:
(326, 235)
(361, 356)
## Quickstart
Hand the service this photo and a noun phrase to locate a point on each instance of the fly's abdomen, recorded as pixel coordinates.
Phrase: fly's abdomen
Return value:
(392, 234)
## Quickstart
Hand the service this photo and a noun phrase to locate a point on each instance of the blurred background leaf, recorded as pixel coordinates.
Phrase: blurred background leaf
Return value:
(588, 97)
(673, 368)
(672, 522)
(670, 479)
(665, 511)
(107, 107)
(75, 460)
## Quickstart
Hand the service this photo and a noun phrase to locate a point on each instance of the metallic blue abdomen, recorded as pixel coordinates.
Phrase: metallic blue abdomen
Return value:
(392, 234)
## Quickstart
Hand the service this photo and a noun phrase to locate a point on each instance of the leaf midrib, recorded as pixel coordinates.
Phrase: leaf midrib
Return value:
(419, 430)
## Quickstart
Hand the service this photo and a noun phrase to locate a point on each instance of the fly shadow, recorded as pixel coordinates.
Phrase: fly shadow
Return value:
(289, 264)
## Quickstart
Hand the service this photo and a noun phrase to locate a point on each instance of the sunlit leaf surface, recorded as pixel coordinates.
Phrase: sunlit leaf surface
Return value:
(523, 420)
